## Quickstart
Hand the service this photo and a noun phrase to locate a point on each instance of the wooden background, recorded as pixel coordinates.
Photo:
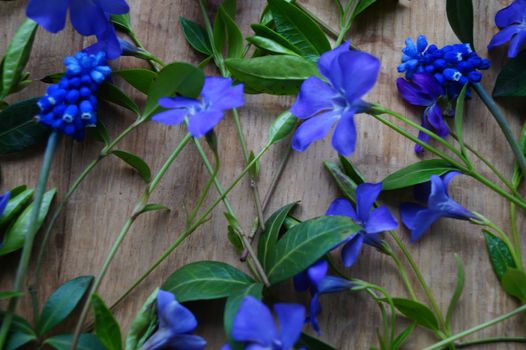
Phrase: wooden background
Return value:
(96, 212)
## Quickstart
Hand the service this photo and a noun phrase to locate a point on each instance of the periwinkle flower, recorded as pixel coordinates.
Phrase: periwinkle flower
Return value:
(4, 199)
(511, 21)
(423, 90)
(70, 106)
(205, 112)
(418, 218)
(176, 324)
(254, 325)
(374, 221)
(322, 103)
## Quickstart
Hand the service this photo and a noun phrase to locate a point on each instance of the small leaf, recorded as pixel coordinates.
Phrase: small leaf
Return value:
(309, 342)
(101, 133)
(204, 280)
(112, 93)
(512, 78)
(270, 45)
(62, 303)
(402, 337)
(459, 287)
(344, 182)
(21, 333)
(106, 327)
(122, 22)
(459, 119)
(362, 6)
(87, 341)
(141, 326)
(196, 36)
(460, 17)
(499, 254)
(417, 312)
(514, 283)
(417, 173)
(281, 127)
(15, 206)
(154, 207)
(10, 294)
(135, 162)
(18, 129)
(254, 169)
(234, 239)
(351, 171)
(227, 33)
(139, 78)
(265, 32)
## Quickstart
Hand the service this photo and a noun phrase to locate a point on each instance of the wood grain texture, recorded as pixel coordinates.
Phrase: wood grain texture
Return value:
(92, 219)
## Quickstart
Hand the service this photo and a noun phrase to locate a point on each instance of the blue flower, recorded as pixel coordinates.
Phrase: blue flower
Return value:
(176, 323)
(254, 325)
(419, 218)
(413, 57)
(373, 222)
(4, 199)
(70, 106)
(322, 103)
(512, 23)
(204, 113)
(425, 91)
(88, 18)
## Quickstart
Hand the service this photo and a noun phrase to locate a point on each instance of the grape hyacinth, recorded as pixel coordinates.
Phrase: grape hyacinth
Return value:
(70, 106)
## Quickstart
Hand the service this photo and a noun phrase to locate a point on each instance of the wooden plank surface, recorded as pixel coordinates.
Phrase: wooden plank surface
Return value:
(93, 217)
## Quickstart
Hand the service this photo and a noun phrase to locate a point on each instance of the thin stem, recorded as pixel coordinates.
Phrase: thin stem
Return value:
(403, 275)
(515, 235)
(30, 236)
(151, 59)
(491, 340)
(475, 329)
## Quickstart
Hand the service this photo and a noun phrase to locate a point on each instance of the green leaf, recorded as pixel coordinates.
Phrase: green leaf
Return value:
(305, 243)
(512, 78)
(269, 237)
(16, 56)
(139, 78)
(15, 206)
(299, 29)
(417, 173)
(401, 338)
(10, 294)
(281, 127)
(234, 239)
(141, 327)
(499, 254)
(417, 312)
(62, 303)
(18, 129)
(112, 93)
(459, 287)
(254, 169)
(196, 36)
(101, 133)
(275, 75)
(16, 234)
(204, 280)
(309, 342)
(17, 340)
(270, 45)
(135, 162)
(87, 341)
(154, 207)
(514, 283)
(459, 119)
(351, 171)
(266, 32)
(362, 6)
(106, 327)
(344, 182)
(227, 33)
(122, 22)
(460, 17)
(177, 77)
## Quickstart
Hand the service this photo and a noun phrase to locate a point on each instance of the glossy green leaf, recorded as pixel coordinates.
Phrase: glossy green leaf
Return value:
(87, 341)
(112, 93)
(512, 78)
(281, 127)
(106, 327)
(499, 254)
(514, 283)
(309, 342)
(177, 77)
(10, 294)
(18, 129)
(459, 287)
(275, 75)
(62, 303)
(299, 29)
(204, 280)
(139, 78)
(196, 36)
(16, 56)
(344, 182)
(269, 238)
(417, 312)
(460, 17)
(417, 173)
(305, 243)
(459, 118)
(21, 333)
(351, 171)
(143, 325)
(266, 32)
(227, 35)
(362, 6)
(270, 45)
(15, 206)
(136, 163)
(15, 236)
(122, 22)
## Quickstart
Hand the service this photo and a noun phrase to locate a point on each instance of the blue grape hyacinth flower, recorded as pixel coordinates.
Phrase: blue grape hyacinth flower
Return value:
(254, 325)
(374, 221)
(349, 75)
(4, 199)
(511, 21)
(176, 324)
(204, 113)
(71, 105)
(418, 218)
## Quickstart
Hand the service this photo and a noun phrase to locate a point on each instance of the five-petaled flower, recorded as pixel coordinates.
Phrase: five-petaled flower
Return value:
(322, 103)
(512, 23)
(419, 218)
(204, 113)
(373, 222)
(4, 199)
(176, 323)
(254, 325)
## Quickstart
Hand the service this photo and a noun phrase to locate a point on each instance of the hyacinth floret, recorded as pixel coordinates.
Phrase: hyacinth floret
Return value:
(70, 105)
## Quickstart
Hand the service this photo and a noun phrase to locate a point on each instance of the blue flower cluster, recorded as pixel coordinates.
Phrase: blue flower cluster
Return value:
(70, 106)
(453, 65)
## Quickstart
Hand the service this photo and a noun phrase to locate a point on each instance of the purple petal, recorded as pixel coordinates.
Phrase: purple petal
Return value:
(436, 119)
(359, 72)
(254, 322)
(328, 58)
(512, 14)
(333, 284)
(315, 96)
(87, 17)
(380, 220)
(351, 250)
(422, 223)
(291, 320)
(186, 342)
(203, 122)
(440, 201)
(107, 42)
(178, 102)
(313, 129)
(171, 116)
(4, 199)
(232, 97)
(516, 44)
(256, 347)
(342, 207)
(429, 84)
(503, 36)
(50, 14)
(408, 213)
(314, 311)
(301, 281)
(422, 136)
(317, 272)
(412, 94)
(344, 136)
(114, 7)
(366, 195)
(439, 193)
(447, 179)
(173, 315)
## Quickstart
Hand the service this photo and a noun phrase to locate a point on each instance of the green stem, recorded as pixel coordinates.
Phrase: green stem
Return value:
(475, 329)
(151, 58)
(503, 123)
(491, 340)
(403, 274)
(30, 237)
(515, 235)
